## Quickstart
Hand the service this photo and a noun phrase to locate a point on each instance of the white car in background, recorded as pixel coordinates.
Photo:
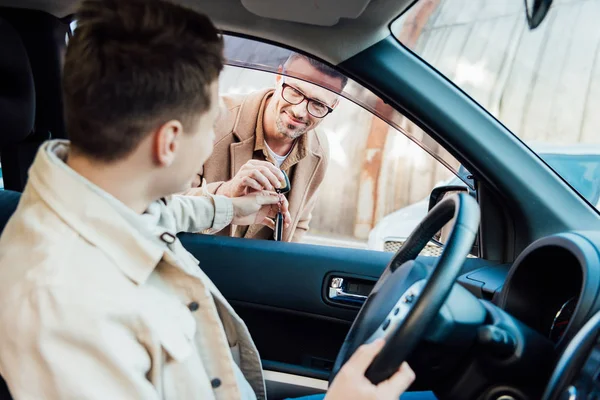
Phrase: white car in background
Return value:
(393, 229)
(577, 164)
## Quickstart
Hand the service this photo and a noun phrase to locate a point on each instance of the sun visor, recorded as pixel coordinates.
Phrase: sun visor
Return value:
(313, 12)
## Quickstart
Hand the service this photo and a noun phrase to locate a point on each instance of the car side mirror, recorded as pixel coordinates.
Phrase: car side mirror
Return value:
(437, 195)
(536, 11)
(441, 192)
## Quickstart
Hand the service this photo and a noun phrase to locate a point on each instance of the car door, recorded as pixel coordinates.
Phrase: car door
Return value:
(300, 299)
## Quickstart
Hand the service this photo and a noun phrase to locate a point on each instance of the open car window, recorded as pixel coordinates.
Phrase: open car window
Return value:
(542, 84)
(382, 167)
(253, 54)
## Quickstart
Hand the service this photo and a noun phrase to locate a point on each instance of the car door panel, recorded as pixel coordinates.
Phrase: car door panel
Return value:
(280, 290)
(288, 276)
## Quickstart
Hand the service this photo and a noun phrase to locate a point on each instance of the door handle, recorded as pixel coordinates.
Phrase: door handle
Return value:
(338, 292)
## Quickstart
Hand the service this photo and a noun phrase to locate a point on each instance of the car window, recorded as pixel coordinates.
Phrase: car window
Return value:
(542, 84)
(380, 173)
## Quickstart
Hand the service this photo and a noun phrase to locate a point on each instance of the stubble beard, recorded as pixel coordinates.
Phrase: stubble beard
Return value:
(289, 131)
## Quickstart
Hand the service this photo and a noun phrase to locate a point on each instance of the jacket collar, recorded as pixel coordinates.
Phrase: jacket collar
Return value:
(259, 143)
(245, 124)
(98, 217)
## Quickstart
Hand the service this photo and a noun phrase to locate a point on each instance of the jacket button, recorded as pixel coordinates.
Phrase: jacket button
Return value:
(215, 383)
(193, 306)
(168, 237)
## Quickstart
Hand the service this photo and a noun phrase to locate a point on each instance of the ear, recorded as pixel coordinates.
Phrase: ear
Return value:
(279, 77)
(166, 142)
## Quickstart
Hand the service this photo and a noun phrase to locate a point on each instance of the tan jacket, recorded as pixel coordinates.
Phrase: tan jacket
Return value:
(236, 143)
(98, 302)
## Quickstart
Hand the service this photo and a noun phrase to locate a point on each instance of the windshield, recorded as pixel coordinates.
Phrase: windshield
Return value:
(581, 171)
(542, 84)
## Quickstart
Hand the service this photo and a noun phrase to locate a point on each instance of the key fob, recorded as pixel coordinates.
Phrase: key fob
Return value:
(278, 232)
(287, 186)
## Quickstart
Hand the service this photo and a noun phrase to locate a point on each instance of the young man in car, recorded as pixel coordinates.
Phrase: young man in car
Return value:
(271, 129)
(98, 298)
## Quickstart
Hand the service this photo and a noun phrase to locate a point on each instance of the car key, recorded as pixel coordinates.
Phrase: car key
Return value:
(278, 232)
(279, 222)
(287, 186)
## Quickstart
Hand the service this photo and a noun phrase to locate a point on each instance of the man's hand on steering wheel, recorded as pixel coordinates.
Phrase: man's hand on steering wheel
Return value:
(351, 383)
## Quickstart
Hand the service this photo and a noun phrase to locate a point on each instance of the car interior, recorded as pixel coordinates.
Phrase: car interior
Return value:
(521, 321)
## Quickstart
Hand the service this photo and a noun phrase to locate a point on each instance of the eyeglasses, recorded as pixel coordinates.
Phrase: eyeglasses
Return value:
(314, 107)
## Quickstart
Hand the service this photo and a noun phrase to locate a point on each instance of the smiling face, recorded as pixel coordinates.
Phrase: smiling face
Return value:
(294, 120)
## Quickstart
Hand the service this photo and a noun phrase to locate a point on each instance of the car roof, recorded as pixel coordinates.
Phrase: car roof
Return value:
(333, 43)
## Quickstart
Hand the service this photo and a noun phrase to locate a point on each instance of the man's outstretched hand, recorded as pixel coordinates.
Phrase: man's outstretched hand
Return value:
(260, 208)
(255, 175)
(351, 383)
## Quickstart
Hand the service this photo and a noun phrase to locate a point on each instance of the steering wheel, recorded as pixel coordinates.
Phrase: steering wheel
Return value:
(409, 295)
(570, 371)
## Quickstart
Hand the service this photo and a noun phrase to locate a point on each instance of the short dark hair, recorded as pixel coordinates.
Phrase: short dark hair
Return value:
(319, 66)
(133, 65)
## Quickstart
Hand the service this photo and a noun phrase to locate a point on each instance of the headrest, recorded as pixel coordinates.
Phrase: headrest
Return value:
(17, 91)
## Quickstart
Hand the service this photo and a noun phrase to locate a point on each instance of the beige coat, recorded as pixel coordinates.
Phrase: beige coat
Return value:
(98, 302)
(238, 140)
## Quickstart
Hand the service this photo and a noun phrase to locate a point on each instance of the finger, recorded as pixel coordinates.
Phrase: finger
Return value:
(249, 166)
(271, 177)
(397, 383)
(255, 163)
(284, 204)
(261, 216)
(364, 355)
(288, 219)
(273, 210)
(251, 183)
(267, 198)
(276, 171)
(260, 178)
(269, 222)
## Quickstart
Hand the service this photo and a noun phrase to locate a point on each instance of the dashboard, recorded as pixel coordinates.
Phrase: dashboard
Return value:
(537, 307)
(554, 289)
(551, 287)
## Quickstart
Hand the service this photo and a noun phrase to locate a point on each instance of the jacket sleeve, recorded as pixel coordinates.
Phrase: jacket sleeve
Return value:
(71, 348)
(210, 188)
(202, 212)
